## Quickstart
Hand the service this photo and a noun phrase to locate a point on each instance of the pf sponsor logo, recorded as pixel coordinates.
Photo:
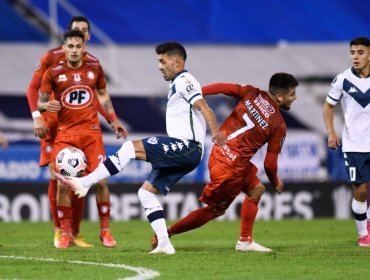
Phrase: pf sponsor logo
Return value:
(77, 97)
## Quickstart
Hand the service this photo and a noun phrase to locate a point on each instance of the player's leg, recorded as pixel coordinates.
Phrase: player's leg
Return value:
(359, 209)
(254, 190)
(52, 195)
(171, 159)
(103, 205)
(47, 159)
(114, 163)
(64, 210)
(358, 170)
(78, 205)
(218, 195)
(148, 196)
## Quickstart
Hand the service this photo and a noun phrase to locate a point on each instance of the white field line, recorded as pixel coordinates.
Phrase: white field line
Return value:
(142, 273)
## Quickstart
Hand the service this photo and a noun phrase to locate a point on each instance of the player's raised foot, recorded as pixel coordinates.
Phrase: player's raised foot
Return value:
(74, 183)
(57, 235)
(107, 238)
(80, 241)
(65, 241)
(251, 246)
(364, 241)
(168, 250)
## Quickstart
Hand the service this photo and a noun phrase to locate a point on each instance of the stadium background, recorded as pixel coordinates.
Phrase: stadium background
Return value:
(227, 41)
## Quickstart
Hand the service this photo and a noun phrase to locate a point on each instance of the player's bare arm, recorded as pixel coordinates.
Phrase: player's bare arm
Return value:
(107, 105)
(333, 140)
(39, 127)
(217, 136)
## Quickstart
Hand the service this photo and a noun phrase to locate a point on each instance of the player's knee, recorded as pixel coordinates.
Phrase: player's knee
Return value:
(257, 192)
(102, 186)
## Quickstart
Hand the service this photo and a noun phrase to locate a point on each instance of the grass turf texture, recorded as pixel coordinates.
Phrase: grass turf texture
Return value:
(318, 249)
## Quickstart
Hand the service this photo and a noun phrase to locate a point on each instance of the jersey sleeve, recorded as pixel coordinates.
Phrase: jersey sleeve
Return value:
(190, 89)
(275, 143)
(35, 83)
(336, 90)
(227, 89)
(101, 83)
(47, 82)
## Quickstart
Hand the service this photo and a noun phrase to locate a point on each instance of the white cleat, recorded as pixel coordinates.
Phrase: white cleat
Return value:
(74, 183)
(168, 250)
(251, 246)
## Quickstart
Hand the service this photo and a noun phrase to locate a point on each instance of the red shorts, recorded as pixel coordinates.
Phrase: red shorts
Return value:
(226, 184)
(90, 142)
(46, 144)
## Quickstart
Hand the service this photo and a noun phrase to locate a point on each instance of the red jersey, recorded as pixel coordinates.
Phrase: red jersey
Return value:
(76, 91)
(255, 121)
(52, 57)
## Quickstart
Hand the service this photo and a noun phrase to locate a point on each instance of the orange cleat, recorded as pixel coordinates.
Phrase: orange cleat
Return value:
(107, 238)
(79, 241)
(65, 241)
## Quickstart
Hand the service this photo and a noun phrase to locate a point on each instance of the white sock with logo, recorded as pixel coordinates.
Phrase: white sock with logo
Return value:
(359, 210)
(111, 166)
(154, 212)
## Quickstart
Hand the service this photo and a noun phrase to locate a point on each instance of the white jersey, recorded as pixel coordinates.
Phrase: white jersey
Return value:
(183, 121)
(354, 93)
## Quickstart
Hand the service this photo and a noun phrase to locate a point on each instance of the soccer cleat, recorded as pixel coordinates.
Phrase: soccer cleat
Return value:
(79, 241)
(57, 235)
(65, 241)
(251, 246)
(168, 250)
(74, 183)
(364, 241)
(107, 238)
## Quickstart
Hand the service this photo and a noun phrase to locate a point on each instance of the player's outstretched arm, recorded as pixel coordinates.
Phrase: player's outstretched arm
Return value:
(227, 89)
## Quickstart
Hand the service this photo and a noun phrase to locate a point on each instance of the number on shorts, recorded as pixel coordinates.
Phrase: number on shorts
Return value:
(352, 173)
(249, 125)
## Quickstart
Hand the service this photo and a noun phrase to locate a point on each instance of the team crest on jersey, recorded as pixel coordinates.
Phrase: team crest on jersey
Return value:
(91, 75)
(62, 78)
(77, 77)
(77, 97)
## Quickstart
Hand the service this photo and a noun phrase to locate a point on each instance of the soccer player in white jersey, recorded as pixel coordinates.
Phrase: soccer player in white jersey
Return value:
(352, 87)
(171, 157)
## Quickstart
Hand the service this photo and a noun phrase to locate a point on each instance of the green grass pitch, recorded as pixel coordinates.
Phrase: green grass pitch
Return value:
(317, 249)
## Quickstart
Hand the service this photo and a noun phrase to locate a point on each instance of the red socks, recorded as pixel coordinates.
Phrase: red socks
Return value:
(104, 214)
(65, 215)
(248, 215)
(78, 205)
(52, 194)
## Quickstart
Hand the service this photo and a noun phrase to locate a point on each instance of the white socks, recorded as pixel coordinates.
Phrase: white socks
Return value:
(359, 210)
(111, 166)
(154, 212)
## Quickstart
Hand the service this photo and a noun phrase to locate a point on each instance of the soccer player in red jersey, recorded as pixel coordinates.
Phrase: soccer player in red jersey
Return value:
(255, 121)
(56, 56)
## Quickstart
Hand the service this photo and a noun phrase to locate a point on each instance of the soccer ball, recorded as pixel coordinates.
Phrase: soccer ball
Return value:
(70, 162)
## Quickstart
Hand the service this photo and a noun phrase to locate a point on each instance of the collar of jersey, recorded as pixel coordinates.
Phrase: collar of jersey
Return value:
(356, 74)
(174, 78)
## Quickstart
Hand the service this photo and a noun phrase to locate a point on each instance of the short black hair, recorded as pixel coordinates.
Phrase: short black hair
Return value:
(171, 48)
(79, 19)
(73, 33)
(282, 82)
(364, 41)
